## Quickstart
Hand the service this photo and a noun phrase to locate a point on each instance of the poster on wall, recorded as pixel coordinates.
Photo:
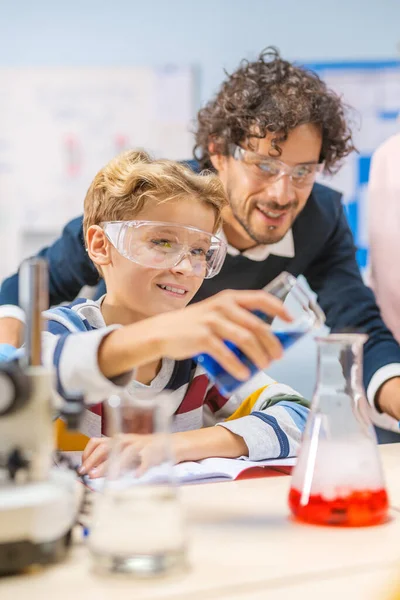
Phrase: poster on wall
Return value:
(58, 127)
(372, 90)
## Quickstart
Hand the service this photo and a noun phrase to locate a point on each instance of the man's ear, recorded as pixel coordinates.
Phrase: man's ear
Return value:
(98, 246)
(217, 159)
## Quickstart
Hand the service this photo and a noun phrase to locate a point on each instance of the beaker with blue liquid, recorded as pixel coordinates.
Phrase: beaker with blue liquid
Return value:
(306, 314)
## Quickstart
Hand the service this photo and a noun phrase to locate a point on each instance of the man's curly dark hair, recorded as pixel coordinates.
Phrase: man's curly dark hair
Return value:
(273, 95)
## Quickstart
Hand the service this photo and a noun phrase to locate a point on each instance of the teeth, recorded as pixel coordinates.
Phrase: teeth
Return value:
(172, 289)
(270, 213)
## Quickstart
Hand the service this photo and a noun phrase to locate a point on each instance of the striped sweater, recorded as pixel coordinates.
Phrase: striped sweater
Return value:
(268, 415)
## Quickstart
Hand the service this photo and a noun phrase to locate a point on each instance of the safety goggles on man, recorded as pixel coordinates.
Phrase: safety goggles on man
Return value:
(162, 245)
(270, 169)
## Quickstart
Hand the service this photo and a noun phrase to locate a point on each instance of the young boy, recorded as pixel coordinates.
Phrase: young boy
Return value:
(150, 230)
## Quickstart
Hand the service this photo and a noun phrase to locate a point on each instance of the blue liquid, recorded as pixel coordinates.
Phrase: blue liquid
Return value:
(224, 381)
(288, 338)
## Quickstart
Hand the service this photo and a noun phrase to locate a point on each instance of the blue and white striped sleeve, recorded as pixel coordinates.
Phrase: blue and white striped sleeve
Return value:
(275, 422)
(72, 350)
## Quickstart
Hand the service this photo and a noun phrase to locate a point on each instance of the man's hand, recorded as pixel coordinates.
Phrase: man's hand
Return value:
(388, 398)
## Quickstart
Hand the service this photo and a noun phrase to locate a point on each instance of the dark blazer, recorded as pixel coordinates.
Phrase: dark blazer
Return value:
(324, 254)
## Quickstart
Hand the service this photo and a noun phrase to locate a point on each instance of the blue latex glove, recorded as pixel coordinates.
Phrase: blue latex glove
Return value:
(7, 352)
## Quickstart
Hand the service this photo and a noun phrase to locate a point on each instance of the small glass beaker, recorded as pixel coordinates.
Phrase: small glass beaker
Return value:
(306, 315)
(138, 524)
(338, 478)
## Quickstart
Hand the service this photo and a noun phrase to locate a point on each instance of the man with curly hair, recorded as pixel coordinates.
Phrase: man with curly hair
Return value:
(271, 128)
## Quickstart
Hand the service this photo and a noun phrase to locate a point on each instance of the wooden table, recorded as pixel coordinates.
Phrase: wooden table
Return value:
(243, 546)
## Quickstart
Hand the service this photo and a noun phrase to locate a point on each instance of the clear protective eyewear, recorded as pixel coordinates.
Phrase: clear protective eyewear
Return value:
(161, 245)
(271, 169)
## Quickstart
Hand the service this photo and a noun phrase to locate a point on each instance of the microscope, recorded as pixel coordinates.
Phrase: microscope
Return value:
(38, 501)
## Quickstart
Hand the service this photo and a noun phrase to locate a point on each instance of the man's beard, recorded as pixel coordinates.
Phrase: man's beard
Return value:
(270, 236)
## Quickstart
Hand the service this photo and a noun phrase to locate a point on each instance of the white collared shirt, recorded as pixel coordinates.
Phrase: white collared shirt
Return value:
(285, 247)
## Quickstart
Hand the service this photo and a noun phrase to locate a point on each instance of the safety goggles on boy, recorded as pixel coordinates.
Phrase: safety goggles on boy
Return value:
(269, 169)
(162, 245)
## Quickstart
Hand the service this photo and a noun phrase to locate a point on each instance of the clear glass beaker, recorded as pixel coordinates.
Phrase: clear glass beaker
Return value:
(338, 478)
(138, 524)
(306, 315)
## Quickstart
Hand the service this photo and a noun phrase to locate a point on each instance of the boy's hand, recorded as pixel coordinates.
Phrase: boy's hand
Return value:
(136, 451)
(95, 456)
(139, 452)
(203, 327)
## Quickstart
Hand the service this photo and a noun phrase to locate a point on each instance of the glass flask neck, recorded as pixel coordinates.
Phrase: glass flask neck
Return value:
(340, 364)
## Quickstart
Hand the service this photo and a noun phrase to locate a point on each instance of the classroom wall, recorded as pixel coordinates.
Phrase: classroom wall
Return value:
(211, 34)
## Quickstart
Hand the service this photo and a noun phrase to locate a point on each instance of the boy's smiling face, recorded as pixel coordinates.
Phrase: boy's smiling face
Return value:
(146, 291)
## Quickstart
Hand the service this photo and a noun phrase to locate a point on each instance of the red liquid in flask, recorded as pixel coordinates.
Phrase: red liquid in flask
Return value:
(358, 509)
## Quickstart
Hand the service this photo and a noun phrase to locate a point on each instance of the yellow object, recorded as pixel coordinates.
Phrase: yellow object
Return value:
(245, 408)
(396, 593)
(69, 440)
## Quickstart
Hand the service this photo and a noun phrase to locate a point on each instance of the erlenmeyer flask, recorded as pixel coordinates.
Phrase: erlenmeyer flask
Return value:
(138, 524)
(306, 315)
(338, 478)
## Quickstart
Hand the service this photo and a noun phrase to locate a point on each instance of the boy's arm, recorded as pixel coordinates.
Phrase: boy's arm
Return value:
(268, 424)
(199, 328)
(272, 430)
(208, 442)
(96, 363)
(72, 350)
(74, 358)
(274, 423)
(187, 445)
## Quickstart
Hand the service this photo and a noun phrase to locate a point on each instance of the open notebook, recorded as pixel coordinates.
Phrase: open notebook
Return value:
(220, 469)
(209, 470)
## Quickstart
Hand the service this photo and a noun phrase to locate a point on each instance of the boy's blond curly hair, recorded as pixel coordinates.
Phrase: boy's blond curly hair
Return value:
(123, 187)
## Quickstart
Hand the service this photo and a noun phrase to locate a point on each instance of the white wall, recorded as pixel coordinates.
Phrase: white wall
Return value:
(212, 34)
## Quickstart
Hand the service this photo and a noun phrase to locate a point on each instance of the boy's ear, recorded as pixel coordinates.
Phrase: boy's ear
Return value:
(98, 246)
